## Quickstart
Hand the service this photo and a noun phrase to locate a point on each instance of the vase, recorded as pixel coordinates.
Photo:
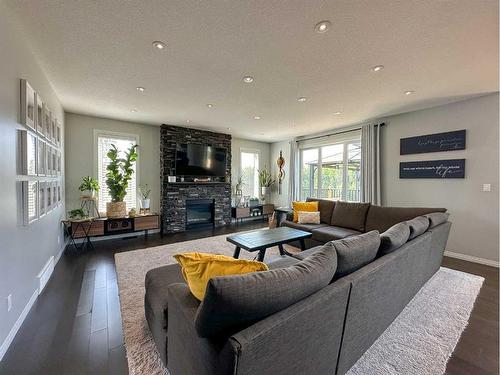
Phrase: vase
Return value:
(145, 203)
(116, 209)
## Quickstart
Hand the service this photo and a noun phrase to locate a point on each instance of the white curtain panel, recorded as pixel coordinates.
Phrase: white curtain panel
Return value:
(293, 185)
(370, 164)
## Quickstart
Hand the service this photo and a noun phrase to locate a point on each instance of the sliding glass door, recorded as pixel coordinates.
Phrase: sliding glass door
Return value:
(332, 171)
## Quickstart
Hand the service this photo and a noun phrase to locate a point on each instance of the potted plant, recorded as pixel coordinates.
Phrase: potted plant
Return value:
(89, 187)
(266, 180)
(78, 214)
(144, 192)
(119, 172)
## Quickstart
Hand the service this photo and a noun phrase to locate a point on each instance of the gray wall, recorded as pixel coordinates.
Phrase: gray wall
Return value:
(281, 200)
(80, 153)
(474, 213)
(24, 250)
(237, 144)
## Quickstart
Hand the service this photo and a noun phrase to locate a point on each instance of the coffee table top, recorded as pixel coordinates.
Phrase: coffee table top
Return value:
(262, 239)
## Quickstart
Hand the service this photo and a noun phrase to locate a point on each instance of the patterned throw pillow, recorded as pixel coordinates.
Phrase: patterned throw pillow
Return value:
(303, 206)
(309, 217)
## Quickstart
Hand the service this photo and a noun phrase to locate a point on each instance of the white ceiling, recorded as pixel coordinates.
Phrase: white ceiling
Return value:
(96, 53)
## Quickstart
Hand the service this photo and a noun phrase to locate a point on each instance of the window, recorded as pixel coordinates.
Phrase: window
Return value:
(250, 172)
(332, 168)
(103, 142)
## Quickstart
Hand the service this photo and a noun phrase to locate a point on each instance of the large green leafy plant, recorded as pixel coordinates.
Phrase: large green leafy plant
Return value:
(119, 172)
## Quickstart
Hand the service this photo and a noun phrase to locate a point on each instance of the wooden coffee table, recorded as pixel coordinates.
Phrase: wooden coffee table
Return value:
(261, 240)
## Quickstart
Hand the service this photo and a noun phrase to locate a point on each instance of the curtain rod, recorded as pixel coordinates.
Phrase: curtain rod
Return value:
(337, 133)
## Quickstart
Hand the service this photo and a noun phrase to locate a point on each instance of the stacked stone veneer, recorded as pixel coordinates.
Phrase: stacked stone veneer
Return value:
(174, 195)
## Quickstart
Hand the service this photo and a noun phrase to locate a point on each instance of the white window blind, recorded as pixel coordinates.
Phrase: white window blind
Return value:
(250, 173)
(122, 143)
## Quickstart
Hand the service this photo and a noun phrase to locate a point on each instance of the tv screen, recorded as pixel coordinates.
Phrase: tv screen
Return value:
(200, 160)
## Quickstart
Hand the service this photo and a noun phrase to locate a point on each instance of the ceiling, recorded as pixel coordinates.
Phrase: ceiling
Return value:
(95, 54)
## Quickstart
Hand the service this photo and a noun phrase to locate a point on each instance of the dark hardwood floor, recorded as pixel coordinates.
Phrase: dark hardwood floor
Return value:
(75, 325)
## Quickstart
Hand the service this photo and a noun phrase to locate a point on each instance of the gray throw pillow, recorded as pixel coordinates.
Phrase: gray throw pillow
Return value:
(418, 226)
(350, 215)
(234, 302)
(355, 252)
(393, 238)
(436, 218)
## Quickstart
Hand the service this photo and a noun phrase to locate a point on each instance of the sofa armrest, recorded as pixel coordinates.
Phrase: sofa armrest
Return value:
(302, 337)
(189, 354)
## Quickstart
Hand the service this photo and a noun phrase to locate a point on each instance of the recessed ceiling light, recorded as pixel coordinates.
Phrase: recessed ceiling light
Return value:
(210, 105)
(188, 121)
(228, 128)
(378, 68)
(409, 92)
(302, 99)
(337, 113)
(159, 44)
(322, 27)
(248, 79)
(133, 110)
(140, 89)
(256, 117)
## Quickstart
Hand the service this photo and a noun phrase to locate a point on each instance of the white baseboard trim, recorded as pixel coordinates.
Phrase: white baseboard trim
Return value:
(10, 337)
(471, 258)
(19, 322)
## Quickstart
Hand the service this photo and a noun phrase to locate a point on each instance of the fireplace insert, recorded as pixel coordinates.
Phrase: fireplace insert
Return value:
(199, 213)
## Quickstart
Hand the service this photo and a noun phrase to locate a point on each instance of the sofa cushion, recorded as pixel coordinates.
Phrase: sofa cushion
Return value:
(303, 206)
(437, 218)
(393, 238)
(237, 301)
(350, 215)
(355, 252)
(304, 254)
(330, 233)
(325, 207)
(418, 226)
(305, 227)
(309, 217)
(282, 261)
(382, 218)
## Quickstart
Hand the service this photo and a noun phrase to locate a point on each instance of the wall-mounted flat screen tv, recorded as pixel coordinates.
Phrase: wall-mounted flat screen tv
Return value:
(200, 160)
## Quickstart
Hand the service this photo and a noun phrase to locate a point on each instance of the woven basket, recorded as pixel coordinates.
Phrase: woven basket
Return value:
(116, 209)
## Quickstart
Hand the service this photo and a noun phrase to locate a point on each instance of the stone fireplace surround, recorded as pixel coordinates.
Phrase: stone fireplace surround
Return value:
(173, 195)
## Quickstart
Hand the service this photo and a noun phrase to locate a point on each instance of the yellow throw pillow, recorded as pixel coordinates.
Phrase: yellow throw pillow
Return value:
(199, 268)
(304, 206)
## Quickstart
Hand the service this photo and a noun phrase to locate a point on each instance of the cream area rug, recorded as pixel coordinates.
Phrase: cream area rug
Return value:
(419, 341)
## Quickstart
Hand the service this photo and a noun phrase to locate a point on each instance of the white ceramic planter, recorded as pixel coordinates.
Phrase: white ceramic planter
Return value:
(145, 203)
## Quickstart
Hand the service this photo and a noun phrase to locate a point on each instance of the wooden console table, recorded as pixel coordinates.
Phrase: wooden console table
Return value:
(256, 211)
(98, 227)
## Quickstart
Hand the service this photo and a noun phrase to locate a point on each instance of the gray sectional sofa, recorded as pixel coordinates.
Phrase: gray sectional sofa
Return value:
(316, 312)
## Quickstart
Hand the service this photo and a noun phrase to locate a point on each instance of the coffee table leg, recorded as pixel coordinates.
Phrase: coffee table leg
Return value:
(262, 254)
(236, 252)
(302, 244)
(282, 250)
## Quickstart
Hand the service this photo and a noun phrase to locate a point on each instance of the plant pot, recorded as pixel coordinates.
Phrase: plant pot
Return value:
(263, 191)
(88, 194)
(145, 203)
(116, 209)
